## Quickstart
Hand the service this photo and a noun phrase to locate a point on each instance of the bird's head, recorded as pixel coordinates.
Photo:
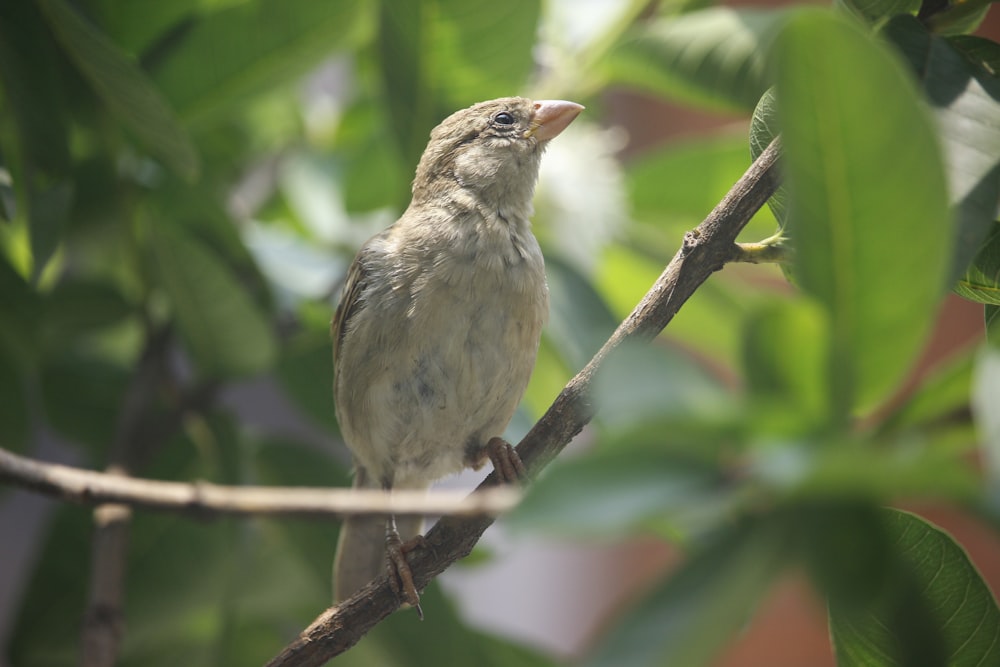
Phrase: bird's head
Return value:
(492, 148)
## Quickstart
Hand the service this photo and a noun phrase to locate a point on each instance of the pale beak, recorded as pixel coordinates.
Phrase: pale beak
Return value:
(551, 117)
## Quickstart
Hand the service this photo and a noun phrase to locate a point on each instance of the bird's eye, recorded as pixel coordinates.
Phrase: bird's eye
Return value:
(503, 118)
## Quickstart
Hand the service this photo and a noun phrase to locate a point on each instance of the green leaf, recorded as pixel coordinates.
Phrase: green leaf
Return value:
(960, 17)
(135, 26)
(76, 308)
(712, 57)
(20, 312)
(33, 132)
(14, 408)
(981, 281)
(943, 392)
(402, 641)
(643, 383)
(865, 182)
(123, 87)
(225, 332)
(437, 56)
(941, 611)
(764, 127)
(846, 549)
(929, 467)
(251, 47)
(876, 11)
(983, 52)
(82, 399)
(580, 320)
(784, 352)
(689, 618)
(675, 187)
(306, 372)
(609, 495)
(966, 103)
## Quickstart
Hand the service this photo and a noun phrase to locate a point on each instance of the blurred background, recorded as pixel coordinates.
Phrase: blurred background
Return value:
(182, 187)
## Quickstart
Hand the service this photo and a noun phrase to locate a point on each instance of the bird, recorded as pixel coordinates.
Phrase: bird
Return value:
(438, 326)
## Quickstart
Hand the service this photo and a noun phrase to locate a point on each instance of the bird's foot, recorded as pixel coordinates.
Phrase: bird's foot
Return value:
(400, 575)
(506, 461)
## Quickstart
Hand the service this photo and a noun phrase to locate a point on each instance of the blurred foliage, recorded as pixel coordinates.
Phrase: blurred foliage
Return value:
(182, 185)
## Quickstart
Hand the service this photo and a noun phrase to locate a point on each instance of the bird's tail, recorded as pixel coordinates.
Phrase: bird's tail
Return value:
(361, 547)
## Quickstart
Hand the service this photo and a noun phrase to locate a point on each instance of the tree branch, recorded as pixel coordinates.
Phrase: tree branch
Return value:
(205, 500)
(705, 250)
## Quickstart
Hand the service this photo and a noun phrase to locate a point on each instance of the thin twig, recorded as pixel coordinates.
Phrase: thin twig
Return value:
(705, 250)
(104, 618)
(205, 500)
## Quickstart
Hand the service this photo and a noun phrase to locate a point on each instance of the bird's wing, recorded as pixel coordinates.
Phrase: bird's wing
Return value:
(350, 305)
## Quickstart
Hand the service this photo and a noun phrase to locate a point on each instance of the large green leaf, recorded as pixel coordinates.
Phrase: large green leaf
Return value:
(689, 618)
(231, 54)
(868, 207)
(966, 104)
(440, 55)
(224, 330)
(712, 57)
(123, 87)
(941, 602)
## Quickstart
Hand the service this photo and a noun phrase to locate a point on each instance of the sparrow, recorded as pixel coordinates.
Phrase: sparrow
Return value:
(437, 330)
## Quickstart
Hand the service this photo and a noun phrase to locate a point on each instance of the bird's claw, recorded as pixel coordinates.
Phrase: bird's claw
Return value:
(400, 575)
(506, 461)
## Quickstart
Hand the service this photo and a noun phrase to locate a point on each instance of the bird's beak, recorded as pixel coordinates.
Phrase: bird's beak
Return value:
(551, 117)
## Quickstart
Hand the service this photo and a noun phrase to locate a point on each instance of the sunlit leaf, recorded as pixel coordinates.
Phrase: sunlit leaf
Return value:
(712, 57)
(437, 56)
(864, 175)
(966, 103)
